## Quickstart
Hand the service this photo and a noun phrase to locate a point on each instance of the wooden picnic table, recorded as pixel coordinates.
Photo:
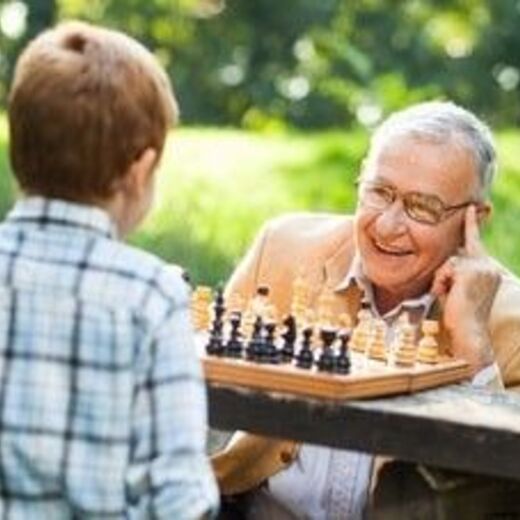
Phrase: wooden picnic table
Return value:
(457, 426)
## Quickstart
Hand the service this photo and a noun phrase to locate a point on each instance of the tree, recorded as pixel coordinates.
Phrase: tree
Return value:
(311, 63)
(39, 14)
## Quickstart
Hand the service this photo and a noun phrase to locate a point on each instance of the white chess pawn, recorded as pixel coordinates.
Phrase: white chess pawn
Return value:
(377, 341)
(404, 346)
(428, 351)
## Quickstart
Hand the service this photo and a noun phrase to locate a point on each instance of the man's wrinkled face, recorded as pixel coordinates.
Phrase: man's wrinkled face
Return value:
(399, 254)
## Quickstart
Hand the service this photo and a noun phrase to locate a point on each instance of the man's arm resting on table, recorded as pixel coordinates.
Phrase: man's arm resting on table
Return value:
(250, 459)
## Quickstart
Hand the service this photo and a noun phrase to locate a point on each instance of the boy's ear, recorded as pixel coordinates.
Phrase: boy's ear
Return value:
(141, 170)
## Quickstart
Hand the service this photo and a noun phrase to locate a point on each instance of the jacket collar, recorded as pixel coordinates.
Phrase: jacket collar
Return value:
(339, 262)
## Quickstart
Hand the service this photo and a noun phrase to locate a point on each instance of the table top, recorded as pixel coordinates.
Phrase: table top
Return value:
(457, 427)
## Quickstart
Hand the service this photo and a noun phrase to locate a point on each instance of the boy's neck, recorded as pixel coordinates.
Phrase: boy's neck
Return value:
(121, 214)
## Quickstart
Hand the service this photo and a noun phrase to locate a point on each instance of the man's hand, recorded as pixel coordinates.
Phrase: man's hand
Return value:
(466, 285)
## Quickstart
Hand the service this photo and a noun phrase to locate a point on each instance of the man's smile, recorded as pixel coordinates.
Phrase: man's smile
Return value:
(387, 249)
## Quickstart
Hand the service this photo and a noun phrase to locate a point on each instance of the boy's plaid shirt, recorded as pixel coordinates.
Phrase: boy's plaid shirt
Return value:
(102, 404)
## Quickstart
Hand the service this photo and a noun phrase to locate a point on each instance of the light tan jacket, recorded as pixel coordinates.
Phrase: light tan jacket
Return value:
(320, 248)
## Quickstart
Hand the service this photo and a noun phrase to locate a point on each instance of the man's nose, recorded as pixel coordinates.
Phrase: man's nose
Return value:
(391, 222)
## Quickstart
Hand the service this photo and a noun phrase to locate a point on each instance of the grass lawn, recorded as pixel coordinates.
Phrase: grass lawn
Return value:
(216, 187)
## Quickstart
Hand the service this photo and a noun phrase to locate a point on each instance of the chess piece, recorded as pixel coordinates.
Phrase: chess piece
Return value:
(200, 308)
(325, 306)
(235, 304)
(405, 349)
(254, 346)
(248, 322)
(363, 330)
(234, 346)
(428, 350)
(259, 306)
(215, 344)
(342, 361)
(270, 313)
(260, 302)
(377, 342)
(308, 318)
(305, 356)
(289, 338)
(301, 299)
(271, 353)
(326, 359)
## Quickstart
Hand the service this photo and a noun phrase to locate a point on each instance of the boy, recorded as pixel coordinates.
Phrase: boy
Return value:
(102, 404)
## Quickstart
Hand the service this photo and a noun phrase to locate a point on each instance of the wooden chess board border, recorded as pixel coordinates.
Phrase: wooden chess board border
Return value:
(375, 380)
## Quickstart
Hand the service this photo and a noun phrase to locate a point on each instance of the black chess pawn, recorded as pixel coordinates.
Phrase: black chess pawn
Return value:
(326, 360)
(215, 344)
(262, 350)
(305, 357)
(234, 346)
(218, 304)
(289, 338)
(255, 347)
(342, 361)
(270, 351)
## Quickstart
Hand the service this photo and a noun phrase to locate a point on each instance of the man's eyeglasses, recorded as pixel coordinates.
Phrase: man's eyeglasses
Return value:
(421, 207)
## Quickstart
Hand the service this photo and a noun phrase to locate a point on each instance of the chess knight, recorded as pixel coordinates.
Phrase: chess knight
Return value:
(414, 242)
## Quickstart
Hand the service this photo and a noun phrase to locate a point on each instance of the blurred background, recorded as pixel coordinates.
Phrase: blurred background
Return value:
(278, 99)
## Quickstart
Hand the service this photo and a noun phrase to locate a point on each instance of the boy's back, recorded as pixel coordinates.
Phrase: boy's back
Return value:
(102, 403)
(95, 370)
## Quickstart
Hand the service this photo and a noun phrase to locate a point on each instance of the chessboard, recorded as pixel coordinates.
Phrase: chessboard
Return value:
(317, 356)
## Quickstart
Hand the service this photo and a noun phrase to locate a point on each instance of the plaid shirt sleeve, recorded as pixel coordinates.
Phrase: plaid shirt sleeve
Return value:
(169, 474)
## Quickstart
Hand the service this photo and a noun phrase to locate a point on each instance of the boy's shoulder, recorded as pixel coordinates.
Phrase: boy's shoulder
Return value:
(143, 276)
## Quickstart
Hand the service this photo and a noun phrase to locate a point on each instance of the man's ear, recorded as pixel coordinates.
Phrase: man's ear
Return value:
(484, 213)
(140, 173)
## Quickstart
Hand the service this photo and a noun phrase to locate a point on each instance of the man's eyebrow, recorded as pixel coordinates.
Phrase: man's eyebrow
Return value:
(381, 180)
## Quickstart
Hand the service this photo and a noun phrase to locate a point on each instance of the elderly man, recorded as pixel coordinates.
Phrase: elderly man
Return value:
(413, 243)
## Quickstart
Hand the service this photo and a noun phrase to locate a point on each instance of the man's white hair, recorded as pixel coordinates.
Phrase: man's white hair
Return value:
(442, 122)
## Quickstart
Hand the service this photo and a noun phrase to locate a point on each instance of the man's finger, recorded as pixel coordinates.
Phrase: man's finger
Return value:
(472, 242)
(443, 278)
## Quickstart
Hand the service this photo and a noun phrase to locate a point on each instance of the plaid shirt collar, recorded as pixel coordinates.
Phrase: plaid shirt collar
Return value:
(418, 307)
(43, 212)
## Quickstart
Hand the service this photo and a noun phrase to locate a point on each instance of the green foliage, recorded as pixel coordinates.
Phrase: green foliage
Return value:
(313, 64)
(7, 188)
(501, 235)
(40, 15)
(216, 188)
